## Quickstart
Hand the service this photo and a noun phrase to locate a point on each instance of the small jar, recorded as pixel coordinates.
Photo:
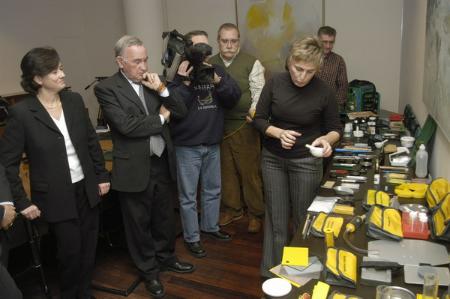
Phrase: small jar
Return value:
(372, 125)
(363, 125)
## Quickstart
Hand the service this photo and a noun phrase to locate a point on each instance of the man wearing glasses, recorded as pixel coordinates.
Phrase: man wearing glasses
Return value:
(240, 148)
(333, 70)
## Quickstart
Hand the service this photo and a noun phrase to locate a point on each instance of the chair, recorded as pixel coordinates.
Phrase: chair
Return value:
(32, 232)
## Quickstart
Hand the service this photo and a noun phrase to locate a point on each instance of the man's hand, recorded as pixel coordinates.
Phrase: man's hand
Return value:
(288, 137)
(151, 80)
(32, 212)
(250, 115)
(165, 113)
(184, 71)
(103, 188)
(8, 217)
(217, 78)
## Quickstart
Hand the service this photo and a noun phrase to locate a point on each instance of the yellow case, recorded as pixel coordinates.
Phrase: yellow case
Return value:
(323, 221)
(436, 191)
(341, 267)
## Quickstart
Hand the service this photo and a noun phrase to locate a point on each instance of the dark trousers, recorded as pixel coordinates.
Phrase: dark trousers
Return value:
(148, 219)
(76, 244)
(8, 288)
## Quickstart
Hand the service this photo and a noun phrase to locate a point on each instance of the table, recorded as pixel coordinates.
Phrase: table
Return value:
(317, 246)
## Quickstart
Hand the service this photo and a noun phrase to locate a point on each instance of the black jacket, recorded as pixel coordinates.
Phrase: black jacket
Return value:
(31, 130)
(204, 122)
(131, 129)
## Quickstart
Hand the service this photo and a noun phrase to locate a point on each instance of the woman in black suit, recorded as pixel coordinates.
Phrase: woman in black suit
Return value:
(67, 170)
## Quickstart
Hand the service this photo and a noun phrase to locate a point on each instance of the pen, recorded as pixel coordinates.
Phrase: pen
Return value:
(306, 225)
(310, 225)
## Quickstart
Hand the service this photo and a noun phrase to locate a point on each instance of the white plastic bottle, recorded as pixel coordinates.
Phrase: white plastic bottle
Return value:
(421, 162)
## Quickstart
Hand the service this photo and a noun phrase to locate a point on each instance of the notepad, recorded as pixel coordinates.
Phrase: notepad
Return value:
(322, 204)
(295, 256)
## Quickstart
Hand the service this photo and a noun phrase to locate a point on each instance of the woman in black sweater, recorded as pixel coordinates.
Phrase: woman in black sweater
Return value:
(295, 108)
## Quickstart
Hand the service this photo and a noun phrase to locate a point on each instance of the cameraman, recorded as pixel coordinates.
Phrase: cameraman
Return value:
(197, 140)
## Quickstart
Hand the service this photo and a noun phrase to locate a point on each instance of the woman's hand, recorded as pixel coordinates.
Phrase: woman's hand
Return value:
(322, 142)
(8, 217)
(32, 212)
(288, 138)
(103, 188)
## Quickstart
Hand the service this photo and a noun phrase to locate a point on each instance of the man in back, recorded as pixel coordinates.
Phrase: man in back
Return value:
(240, 149)
(333, 70)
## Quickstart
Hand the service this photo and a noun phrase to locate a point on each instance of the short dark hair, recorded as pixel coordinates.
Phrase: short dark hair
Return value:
(37, 62)
(228, 26)
(327, 30)
(193, 33)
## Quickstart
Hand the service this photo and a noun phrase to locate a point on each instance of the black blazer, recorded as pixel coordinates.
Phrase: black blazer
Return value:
(31, 130)
(5, 195)
(131, 129)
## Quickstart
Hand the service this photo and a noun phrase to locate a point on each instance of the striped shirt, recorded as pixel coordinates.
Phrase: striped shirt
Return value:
(334, 73)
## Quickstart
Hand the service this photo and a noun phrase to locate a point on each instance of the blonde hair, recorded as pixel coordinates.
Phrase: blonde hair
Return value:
(307, 50)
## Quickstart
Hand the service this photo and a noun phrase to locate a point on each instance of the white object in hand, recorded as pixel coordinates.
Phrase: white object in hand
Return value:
(315, 151)
(276, 287)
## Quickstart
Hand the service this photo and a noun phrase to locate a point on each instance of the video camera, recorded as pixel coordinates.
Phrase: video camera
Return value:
(177, 49)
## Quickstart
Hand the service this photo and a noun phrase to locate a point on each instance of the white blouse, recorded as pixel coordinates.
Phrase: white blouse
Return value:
(76, 172)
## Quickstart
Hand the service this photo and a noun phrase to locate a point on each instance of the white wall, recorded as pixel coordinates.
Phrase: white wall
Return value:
(369, 39)
(411, 83)
(206, 15)
(83, 32)
(145, 19)
(369, 35)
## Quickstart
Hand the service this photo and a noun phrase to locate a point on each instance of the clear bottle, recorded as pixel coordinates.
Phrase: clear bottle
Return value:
(430, 286)
(421, 162)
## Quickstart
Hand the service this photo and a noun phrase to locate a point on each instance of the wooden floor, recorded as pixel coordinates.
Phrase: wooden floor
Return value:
(230, 270)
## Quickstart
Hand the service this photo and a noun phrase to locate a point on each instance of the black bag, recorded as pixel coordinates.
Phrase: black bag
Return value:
(362, 96)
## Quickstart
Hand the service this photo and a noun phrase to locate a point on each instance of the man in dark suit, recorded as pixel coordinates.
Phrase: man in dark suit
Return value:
(137, 106)
(8, 288)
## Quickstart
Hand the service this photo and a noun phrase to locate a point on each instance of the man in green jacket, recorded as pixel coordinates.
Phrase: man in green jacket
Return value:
(240, 149)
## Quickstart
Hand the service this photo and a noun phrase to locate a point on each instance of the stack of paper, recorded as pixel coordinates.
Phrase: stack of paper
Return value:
(297, 267)
(322, 204)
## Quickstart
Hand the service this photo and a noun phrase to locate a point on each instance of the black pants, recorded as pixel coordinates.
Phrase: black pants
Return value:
(148, 219)
(8, 288)
(76, 244)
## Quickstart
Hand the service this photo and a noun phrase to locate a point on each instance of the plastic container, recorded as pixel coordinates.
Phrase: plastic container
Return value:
(421, 162)
(430, 285)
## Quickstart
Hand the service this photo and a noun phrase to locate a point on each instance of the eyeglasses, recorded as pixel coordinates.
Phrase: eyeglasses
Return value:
(135, 61)
(229, 41)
